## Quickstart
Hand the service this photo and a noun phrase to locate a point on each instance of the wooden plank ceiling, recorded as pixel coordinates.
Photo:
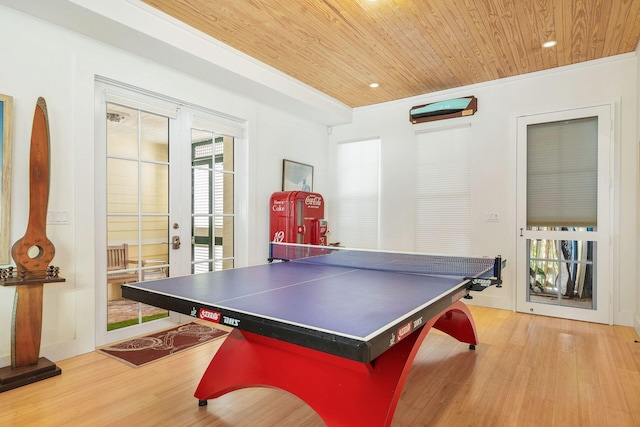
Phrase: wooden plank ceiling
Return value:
(412, 47)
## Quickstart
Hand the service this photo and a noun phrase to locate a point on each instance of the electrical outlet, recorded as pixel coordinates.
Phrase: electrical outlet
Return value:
(491, 217)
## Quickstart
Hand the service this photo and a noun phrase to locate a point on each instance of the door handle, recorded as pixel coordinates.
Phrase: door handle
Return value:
(175, 242)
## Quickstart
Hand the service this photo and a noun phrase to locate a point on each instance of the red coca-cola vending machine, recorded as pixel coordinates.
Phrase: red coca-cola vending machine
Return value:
(298, 217)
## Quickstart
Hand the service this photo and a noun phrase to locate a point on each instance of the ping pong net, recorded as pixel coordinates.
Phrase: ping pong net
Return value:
(481, 272)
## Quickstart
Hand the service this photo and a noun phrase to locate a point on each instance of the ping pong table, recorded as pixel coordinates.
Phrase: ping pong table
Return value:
(338, 328)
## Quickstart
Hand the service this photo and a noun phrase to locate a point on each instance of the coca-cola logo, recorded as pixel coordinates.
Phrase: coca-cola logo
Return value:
(313, 201)
(211, 316)
(278, 206)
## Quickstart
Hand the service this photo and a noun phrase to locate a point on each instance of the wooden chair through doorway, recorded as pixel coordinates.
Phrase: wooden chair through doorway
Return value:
(117, 260)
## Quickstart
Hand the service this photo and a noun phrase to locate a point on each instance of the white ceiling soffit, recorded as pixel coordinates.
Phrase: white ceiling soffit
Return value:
(133, 26)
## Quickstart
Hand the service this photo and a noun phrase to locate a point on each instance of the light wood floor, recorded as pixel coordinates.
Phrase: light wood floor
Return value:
(526, 371)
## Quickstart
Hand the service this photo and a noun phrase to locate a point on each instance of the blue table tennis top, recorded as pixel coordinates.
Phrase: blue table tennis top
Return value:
(321, 306)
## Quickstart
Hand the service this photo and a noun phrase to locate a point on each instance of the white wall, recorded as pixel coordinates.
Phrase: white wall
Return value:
(39, 59)
(493, 132)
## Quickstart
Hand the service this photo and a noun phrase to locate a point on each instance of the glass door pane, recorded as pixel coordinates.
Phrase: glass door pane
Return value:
(212, 218)
(562, 272)
(137, 209)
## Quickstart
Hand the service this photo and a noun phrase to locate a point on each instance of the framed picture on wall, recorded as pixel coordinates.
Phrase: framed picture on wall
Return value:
(296, 176)
(6, 117)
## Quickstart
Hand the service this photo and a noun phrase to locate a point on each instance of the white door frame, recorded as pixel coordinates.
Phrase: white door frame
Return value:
(103, 336)
(603, 289)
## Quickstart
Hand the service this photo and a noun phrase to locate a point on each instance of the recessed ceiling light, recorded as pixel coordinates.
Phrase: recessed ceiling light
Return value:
(550, 43)
(374, 85)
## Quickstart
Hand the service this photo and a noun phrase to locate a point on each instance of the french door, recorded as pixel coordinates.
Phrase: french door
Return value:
(137, 216)
(564, 219)
(169, 207)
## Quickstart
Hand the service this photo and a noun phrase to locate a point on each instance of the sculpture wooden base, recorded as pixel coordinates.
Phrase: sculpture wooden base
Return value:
(26, 365)
(11, 378)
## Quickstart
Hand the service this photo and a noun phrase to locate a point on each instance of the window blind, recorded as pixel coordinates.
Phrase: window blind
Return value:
(442, 209)
(562, 173)
(357, 175)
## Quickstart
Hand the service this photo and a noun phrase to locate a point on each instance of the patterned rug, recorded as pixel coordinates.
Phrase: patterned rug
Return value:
(140, 351)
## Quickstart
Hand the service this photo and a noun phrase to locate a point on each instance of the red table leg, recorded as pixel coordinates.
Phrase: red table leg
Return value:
(343, 392)
(458, 322)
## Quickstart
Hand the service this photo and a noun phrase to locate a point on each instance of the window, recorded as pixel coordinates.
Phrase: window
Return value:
(562, 173)
(356, 223)
(442, 208)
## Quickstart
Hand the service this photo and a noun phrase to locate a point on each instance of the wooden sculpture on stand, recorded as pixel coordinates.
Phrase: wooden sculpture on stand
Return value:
(32, 255)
